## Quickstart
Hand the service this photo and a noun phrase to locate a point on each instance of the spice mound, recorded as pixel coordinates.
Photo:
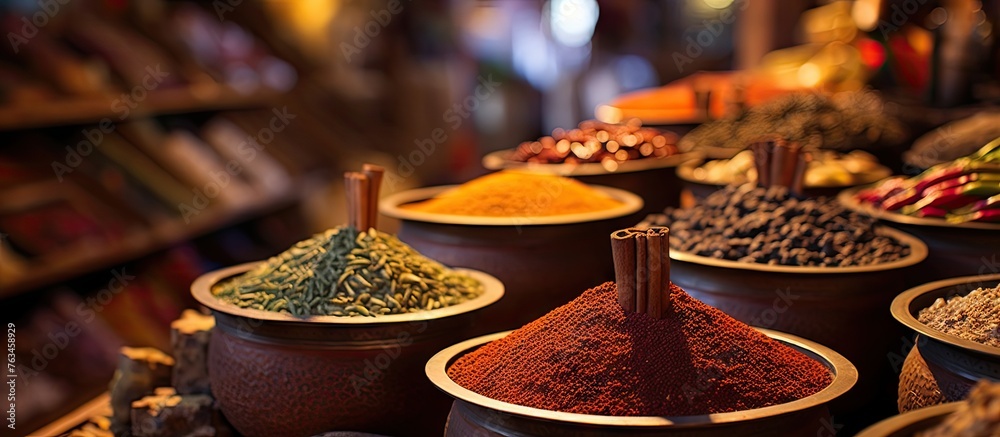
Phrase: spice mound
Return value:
(595, 141)
(518, 194)
(826, 169)
(845, 121)
(769, 226)
(343, 272)
(978, 416)
(974, 317)
(590, 357)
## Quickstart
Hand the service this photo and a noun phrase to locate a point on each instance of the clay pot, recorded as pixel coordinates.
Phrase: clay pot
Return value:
(543, 262)
(954, 249)
(475, 414)
(941, 367)
(841, 307)
(275, 374)
(653, 179)
(911, 423)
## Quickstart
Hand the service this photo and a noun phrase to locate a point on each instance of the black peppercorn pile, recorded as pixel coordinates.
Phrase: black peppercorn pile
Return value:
(768, 226)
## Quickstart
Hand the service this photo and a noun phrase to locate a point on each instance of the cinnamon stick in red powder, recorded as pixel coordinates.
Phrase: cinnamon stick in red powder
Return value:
(642, 269)
(590, 356)
(641, 279)
(623, 250)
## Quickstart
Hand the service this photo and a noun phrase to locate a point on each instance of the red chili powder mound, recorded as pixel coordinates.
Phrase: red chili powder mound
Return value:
(589, 357)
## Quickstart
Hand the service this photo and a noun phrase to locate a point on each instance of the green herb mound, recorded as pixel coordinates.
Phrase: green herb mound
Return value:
(343, 272)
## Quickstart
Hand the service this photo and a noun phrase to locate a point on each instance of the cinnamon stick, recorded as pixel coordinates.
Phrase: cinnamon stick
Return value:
(641, 272)
(623, 252)
(655, 295)
(780, 164)
(356, 185)
(350, 199)
(374, 174)
(777, 162)
(799, 180)
(642, 269)
(762, 161)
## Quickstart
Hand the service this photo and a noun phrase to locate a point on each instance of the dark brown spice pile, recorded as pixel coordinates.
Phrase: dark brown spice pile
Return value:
(589, 357)
(595, 141)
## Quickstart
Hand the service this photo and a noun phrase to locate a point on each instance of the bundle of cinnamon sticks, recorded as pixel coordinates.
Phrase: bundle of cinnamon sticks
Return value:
(362, 196)
(780, 163)
(642, 269)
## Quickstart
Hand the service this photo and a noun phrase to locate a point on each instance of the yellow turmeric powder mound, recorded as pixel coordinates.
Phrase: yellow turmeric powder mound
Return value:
(518, 194)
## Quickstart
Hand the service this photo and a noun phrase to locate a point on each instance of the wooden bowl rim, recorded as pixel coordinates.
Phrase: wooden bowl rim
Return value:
(848, 199)
(903, 311)
(201, 289)
(845, 375)
(391, 207)
(895, 423)
(918, 252)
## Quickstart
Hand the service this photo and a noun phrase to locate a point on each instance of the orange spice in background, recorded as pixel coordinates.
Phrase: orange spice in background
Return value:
(518, 194)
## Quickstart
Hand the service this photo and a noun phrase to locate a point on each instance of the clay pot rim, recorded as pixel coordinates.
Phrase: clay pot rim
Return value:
(390, 206)
(918, 252)
(845, 375)
(500, 160)
(847, 199)
(901, 311)
(685, 172)
(201, 289)
(898, 422)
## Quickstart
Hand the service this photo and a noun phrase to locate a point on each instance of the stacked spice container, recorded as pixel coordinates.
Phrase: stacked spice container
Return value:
(332, 334)
(957, 343)
(639, 355)
(773, 259)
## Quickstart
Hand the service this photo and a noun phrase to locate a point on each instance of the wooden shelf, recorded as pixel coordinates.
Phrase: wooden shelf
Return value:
(158, 102)
(99, 406)
(77, 261)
